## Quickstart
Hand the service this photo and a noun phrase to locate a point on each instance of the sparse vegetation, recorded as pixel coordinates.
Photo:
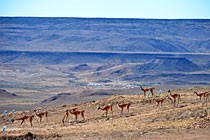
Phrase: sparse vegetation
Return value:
(143, 120)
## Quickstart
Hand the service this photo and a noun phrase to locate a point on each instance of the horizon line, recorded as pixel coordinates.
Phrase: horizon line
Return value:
(108, 52)
(105, 17)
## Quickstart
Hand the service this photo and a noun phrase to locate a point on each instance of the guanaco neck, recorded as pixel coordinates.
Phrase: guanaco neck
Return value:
(142, 88)
(172, 95)
(197, 93)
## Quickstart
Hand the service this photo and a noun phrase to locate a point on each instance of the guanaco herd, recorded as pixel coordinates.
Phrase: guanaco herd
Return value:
(30, 117)
(173, 98)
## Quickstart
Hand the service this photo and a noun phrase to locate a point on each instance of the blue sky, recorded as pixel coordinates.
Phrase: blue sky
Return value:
(167, 9)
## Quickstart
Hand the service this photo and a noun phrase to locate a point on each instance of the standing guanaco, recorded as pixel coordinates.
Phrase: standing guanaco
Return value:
(25, 117)
(106, 108)
(124, 105)
(159, 101)
(170, 98)
(206, 96)
(145, 90)
(41, 114)
(175, 97)
(77, 112)
(200, 95)
(66, 114)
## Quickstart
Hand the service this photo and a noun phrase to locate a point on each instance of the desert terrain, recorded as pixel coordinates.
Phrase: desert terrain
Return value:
(188, 120)
(54, 64)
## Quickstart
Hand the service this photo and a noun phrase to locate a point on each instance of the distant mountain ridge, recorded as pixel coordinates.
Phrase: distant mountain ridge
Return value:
(5, 94)
(104, 34)
(83, 58)
(170, 64)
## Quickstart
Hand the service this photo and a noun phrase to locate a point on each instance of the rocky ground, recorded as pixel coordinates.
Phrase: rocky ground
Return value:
(189, 120)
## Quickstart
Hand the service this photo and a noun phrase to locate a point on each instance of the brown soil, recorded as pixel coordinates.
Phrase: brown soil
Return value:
(190, 120)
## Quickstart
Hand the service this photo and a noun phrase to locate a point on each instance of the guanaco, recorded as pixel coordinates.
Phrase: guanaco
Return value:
(159, 101)
(124, 105)
(175, 97)
(202, 94)
(77, 112)
(206, 96)
(170, 98)
(106, 108)
(145, 90)
(41, 114)
(66, 114)
(25, 117)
